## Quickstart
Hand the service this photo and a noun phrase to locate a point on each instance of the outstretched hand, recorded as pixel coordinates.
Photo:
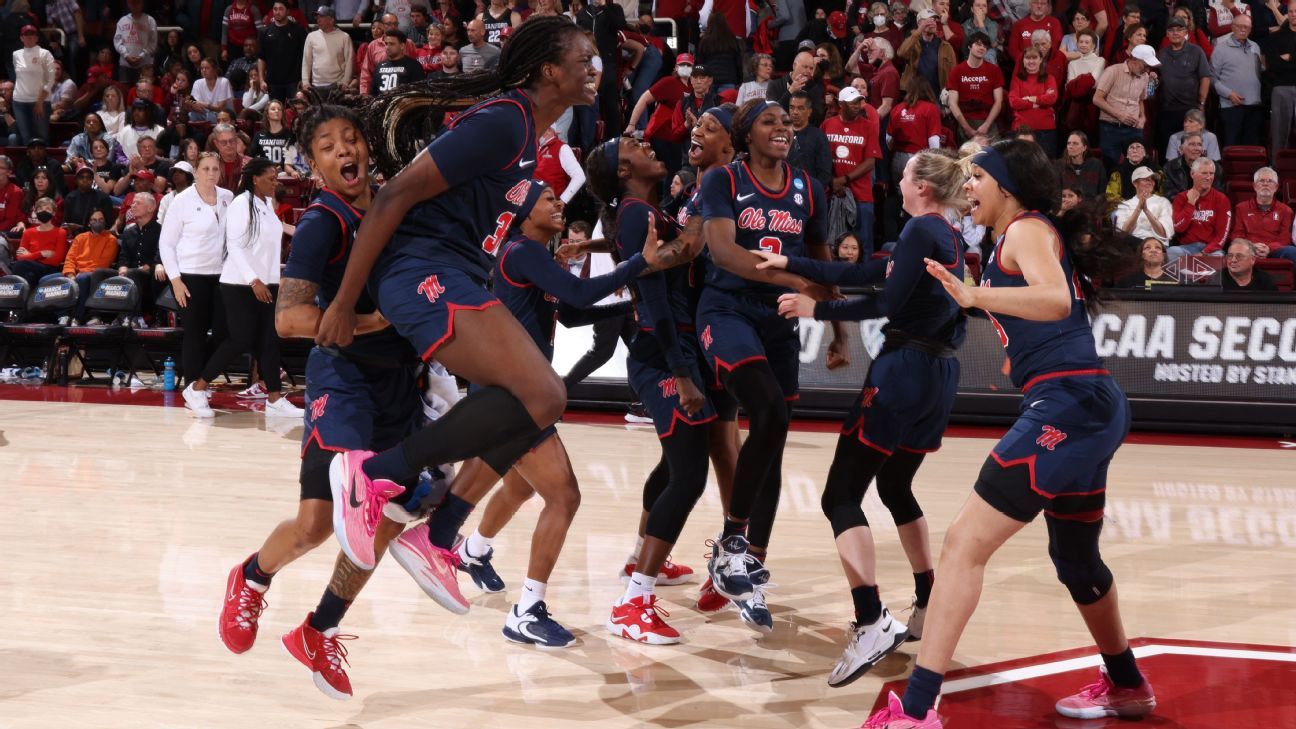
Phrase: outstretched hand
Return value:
(963, 295)
(771, 260)
(795, 306)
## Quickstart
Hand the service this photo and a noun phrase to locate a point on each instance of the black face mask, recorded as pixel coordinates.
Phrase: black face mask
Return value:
(44, 216)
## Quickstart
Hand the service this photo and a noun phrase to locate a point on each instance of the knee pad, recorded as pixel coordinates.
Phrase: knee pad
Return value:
(1073, 547)
(843, 514)
(1088, 582)
(899, 500)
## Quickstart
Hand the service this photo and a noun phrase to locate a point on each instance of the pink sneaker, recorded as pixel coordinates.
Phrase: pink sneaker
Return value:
(358, 505)
(894, 717)
(1104, 698)
(436, 570)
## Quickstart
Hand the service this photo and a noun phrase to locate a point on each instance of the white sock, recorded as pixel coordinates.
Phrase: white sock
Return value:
(634, 556)
(477, 545)
(532, 592)
(640, 585)
(256, 585)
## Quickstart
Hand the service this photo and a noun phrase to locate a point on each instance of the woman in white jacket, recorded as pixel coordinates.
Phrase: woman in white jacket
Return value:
(249, 281)
(192, 248)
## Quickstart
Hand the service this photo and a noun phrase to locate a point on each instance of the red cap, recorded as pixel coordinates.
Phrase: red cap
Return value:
(837, 24)
(146, 175)
(685, 58)
(30, 29)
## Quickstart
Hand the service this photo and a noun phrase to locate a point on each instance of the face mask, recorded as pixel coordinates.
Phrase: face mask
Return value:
(684, 71)
(44, 216)
(96, 226)
(879, 20)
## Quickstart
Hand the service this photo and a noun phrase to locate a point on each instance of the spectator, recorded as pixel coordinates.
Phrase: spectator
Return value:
(1077, 168)
(1265, 221)
(112, 110)
(43, 247)
(979, 21)
(1120, 93)
(273, 138)
(927, 54)
(702, 96)
(33, 84)
(1235, 67)
(722, 53)
(141, 182)
(450, 62)
(947, 27)
(211, 93)
(557, 166)
(681, 189)
(239, 71)
(1033, 97)
(66, 16)
(762, 68)
(170, 53)
(853, 139)
(182, 176)
(327, 61)
(420, 23)
(91, 250)
(847, 249)
(975, 91)
(397, 68)
(1178, 171)
(282, 42)
(1240, 273)
(249, 282)
(191, 246)
(226, 141)
(499, 19)
(1146, 215)
(1202, 215)
(1019, 37)
(605, 20)
(802, 78)
(915, 124)
(137, 253)
(135, 41)
(255, 98)
(1194, 121)
(104, 163)
(146, 161)
(371, 53)
(1072, 196)
(884, 83)
(1220, 15)
(1185, 79)
(240, 23)
(38, 160)
(78, 150)
(1195, 36)
(809, 143)
(1152, 267)
(1070, 45)
(898, 29)
(790, 19)
(1135, 36)
(479, 54)
(1280, 60)
(1053, 60)
(428, 54)
(1082, 77)
(11, 201)
(141, 125)
(85, 200)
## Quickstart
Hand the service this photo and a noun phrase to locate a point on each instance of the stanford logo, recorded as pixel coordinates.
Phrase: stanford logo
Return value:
(667, 387)
(866, 397)
(431, 288)
(317, 407)
(1051, 437)
(706, 337)
(518, 194)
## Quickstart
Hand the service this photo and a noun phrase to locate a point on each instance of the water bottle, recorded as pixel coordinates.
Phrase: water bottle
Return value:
(1152, 87)
(168, 375)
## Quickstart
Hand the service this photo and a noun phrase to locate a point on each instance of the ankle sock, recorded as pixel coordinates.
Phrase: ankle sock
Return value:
(920, 695)
(1123, 669)
(477, 545)
(329, 612)
(923, 587)
(444, 525)
(533, 591)
(640, 585)
(253, 573)
(868, 606)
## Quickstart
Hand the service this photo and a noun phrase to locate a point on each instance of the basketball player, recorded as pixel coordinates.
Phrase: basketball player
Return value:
(903, 409)
(1054, 459)
(436, 224)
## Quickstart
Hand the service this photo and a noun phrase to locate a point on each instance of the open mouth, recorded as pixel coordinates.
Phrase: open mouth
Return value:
(350, 172)
(780, 140)
(695, 149)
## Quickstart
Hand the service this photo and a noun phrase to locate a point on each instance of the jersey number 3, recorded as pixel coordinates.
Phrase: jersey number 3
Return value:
(772, 244)
(494, 240)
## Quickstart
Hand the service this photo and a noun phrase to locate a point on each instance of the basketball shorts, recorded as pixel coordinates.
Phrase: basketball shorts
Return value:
(735, 329)
(905, 403)
(420, 298)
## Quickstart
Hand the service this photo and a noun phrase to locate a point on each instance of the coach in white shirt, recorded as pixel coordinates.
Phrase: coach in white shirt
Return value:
(1147, 215)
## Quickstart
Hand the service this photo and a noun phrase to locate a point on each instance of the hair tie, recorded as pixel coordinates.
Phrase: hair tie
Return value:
(990, 160)
(721, 115)
(756, 111)
(533, 194)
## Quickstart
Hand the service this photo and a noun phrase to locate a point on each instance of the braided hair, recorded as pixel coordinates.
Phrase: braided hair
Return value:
(603, 181)
(247, 183)
(402, 122)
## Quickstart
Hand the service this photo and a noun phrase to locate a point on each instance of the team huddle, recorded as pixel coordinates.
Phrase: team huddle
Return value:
(393, 287)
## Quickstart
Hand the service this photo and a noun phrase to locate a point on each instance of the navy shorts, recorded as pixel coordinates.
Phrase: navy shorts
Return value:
(420, 298)
(353, 406)
(735, 329)
(655, 386)
(905, 403)
(1068, 430)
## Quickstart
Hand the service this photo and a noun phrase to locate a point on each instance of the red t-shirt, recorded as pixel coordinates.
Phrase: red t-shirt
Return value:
(549, 169)
(11, 212)
(910, 128)
(849, 144)
(669, 92)
(885, 84)
(975, 87)
(1020, 35)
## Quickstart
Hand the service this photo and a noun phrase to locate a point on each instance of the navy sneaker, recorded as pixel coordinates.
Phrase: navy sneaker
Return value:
(536, 627)
(728, 567)
(479, 568)
(754, 612)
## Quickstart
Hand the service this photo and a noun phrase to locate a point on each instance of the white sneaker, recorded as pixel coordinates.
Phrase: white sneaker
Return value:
(917, 616)
(94, 322)
(198, 402)
(140, 323)
(867, 645)
(255, 392)
(283, 408)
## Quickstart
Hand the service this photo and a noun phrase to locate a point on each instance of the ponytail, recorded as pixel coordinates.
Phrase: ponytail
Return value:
(247, 184)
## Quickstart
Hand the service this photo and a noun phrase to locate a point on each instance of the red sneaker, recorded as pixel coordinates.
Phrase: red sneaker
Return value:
(640, 619)
(669, 574)
(710, 601)
(1104, 698)
(323, 655)
(242, 609)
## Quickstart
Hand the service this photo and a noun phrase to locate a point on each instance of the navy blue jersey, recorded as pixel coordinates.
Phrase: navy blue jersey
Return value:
(914, 303)
(698, 267)
(321, 246)
(765, 220)
(1042, 347)
(539, 292)
(665, 300)
(487, 155)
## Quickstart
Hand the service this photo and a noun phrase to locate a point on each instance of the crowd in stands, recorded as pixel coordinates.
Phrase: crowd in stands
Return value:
(107, 108)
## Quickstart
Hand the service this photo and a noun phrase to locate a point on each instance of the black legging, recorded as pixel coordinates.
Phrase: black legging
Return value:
(251, 329)
(606, 333)
(686, 457)
(853, 468)
(202, 313)
(757, 476)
